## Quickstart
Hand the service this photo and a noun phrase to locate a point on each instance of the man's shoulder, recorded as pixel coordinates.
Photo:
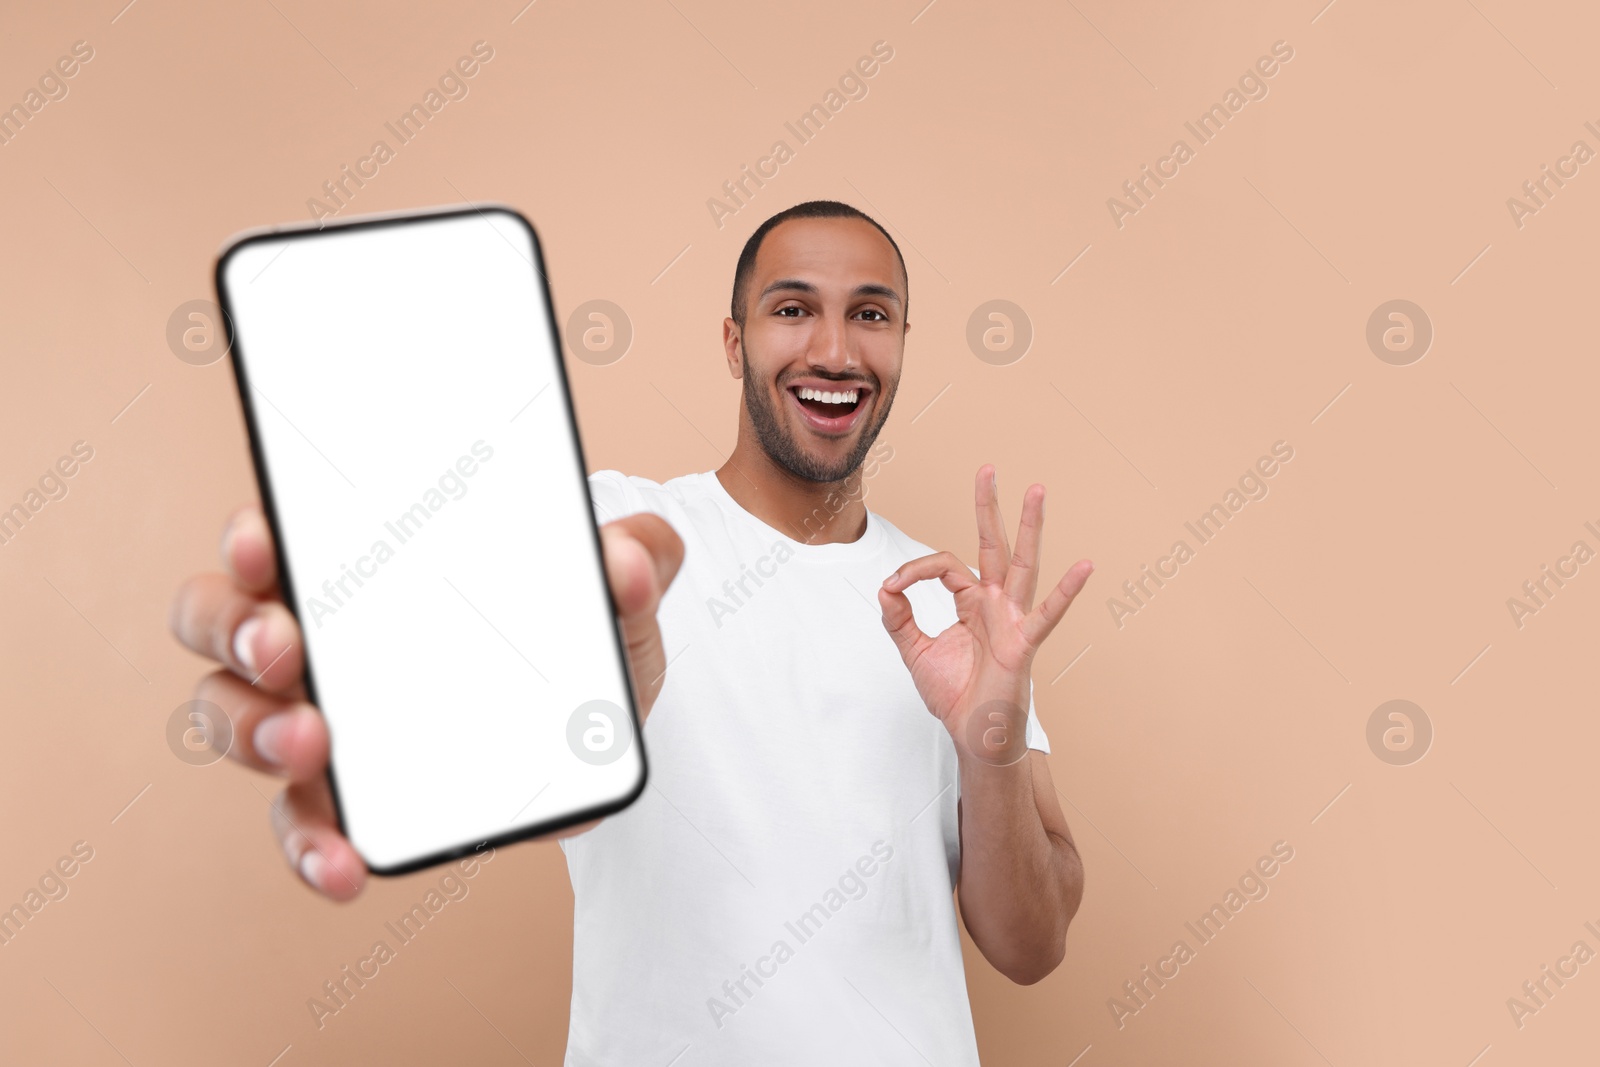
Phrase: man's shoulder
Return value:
(903, 544)
(617, 495)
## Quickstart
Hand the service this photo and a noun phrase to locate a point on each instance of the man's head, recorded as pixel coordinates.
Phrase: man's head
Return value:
(819, 308)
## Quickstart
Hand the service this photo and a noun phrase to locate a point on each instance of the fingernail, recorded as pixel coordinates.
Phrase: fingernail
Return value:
(314, 867)
(269, 736)
(887, 582)
(244, 649)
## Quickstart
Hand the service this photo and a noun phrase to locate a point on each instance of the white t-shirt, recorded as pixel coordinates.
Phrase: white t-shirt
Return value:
(781, 893)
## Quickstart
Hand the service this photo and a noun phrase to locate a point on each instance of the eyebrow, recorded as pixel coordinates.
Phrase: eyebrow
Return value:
(798, 286)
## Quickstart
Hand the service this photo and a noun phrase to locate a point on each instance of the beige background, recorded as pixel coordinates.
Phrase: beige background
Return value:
(1223, 317)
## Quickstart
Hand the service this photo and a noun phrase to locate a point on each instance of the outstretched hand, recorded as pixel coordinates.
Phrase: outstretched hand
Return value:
(238, 619)
(974, 676)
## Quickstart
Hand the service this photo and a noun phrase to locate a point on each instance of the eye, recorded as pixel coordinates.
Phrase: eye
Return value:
(881, 317)
(792, 307)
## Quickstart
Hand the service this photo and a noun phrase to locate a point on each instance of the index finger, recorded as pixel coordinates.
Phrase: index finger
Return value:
(248, 552)
(950, 571)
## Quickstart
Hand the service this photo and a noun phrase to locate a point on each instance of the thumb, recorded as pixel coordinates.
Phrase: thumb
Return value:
(642, 556)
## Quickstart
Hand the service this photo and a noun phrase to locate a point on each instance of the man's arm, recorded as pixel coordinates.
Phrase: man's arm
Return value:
(642, 556)
(1021, 878)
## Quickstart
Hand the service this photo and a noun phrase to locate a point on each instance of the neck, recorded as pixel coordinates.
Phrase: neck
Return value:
(809, 512)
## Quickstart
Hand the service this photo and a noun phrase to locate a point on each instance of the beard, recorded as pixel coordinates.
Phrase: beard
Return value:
(783, 449)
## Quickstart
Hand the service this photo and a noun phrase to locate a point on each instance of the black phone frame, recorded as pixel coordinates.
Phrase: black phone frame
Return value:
(286, 579)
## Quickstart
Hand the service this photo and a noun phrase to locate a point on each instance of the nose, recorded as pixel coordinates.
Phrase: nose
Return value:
(830, 350)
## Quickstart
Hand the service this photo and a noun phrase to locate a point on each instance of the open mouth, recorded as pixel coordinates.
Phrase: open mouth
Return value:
(831, 410)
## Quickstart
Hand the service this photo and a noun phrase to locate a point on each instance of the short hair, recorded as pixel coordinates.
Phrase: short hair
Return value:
(811, 209)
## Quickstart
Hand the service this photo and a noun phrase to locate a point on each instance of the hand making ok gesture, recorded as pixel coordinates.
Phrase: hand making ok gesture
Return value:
(975, 675)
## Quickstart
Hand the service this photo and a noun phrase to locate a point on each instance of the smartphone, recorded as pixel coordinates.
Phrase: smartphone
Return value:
(419, 463)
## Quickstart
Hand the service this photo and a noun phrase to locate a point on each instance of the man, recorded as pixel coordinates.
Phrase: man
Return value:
(782, 891)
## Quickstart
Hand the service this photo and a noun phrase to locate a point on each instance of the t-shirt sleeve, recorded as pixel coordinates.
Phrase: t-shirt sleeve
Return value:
(613, 497)
(1035, 733)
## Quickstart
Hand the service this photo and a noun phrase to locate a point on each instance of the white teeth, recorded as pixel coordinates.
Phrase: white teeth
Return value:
(848, 397)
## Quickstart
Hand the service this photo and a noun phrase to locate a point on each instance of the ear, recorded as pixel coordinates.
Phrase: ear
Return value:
(733, 347)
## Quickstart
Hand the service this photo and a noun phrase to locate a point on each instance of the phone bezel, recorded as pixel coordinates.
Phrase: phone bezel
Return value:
(286, 579)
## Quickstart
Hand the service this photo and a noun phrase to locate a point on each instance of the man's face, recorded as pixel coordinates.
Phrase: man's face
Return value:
(822, 343)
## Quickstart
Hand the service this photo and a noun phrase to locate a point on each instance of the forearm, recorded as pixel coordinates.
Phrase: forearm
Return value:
(1020, 883)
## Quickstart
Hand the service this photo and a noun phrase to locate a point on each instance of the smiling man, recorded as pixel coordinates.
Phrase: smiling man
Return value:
(828, 781)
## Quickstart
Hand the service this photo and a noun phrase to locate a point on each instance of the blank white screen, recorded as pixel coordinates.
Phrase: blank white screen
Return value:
(454, 608)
